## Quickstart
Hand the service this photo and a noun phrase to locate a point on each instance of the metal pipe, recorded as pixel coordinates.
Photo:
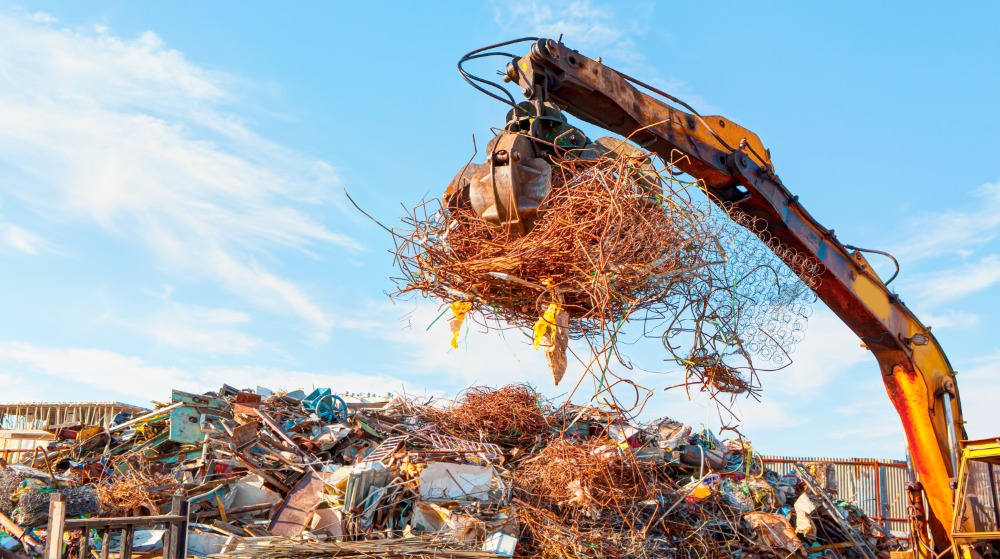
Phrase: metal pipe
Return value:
(952, 434)
(878, 493)
(148, 416)
(48, 465)
(20, 535)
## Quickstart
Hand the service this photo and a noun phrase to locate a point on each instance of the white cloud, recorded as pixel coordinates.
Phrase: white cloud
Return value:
(21, 239)
(130, 136)
(42, 17)
(951, 319)
(978, 387)
(115, 373)
(108, 370)
(766, 414)
(589, 24)
(857, 418)
(16, 388)
(954, 232)
(885, 434)
(948, 285)
(873, 427)
(200, 330)
(267, 290)
(590, 27)
(482, 358)
(829, 350)
(597, 29)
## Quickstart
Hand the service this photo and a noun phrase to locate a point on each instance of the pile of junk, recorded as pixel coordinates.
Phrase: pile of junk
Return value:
(496, 472)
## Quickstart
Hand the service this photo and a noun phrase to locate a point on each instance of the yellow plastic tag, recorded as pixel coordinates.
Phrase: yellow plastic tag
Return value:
(459, 309)
(547, 322)
(701, 491)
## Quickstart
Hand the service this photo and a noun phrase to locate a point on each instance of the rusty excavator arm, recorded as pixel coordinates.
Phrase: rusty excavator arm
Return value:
(735, 168)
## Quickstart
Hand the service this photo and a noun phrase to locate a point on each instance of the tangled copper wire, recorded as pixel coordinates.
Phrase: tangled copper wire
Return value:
(608, 246)
(718, 376)
(125, 493)
(551, 538)
(509, 416)
(595, 500)
(582, 499)
(622, 241)
(582, 477)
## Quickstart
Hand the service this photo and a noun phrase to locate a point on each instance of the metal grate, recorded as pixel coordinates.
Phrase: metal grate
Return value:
(386, 449)
(875, 485)
(488, 452)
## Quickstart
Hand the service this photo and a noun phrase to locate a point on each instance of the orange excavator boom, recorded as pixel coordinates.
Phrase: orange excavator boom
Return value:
(734, 168)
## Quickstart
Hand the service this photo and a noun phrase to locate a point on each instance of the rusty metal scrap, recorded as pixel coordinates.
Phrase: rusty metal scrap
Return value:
(292, 516)
(126, 495)
(509, 416)
(496, 472)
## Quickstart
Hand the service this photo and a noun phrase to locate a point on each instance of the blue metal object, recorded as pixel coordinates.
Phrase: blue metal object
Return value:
(185, 425)
(326, 405)
(121, 417)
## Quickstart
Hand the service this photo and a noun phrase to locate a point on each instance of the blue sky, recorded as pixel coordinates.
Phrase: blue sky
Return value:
(172, 176)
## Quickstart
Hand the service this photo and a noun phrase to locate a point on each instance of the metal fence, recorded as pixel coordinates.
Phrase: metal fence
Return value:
(25, 426)
(39, 415)
(174, 542)
(876, 486)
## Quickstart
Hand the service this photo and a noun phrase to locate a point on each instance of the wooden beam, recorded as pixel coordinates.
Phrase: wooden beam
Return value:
(56, 527)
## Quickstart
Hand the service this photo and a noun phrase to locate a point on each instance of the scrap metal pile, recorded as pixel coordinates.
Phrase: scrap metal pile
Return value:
(496, 473)
(617, 237)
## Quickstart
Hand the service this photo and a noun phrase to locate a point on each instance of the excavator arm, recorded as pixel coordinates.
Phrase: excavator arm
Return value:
(735, 168)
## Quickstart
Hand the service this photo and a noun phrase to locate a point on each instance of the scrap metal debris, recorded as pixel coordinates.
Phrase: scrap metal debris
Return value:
(619, 237)
(500, 472)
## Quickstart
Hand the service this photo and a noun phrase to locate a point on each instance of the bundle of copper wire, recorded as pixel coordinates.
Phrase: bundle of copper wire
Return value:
(587, 499)
(607, 245)
(122, 495)
(713, 374)
(552, 538)
(620, 238)
(581, 478)
(509, 416)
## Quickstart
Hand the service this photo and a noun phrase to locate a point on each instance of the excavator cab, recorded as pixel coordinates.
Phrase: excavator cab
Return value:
(976, 526)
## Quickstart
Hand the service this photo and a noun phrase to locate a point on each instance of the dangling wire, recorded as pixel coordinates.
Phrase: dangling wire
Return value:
(474, 81)
(883, 253)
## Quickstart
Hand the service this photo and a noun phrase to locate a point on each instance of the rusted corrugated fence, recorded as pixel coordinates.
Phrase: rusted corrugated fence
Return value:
(876, 486)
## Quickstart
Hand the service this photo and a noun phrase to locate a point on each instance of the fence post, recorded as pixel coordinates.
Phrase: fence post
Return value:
(168, 540)
(125, 543)
(105, 542)
(84, 544)
(177, 535)
(56, 526)
(879, 504)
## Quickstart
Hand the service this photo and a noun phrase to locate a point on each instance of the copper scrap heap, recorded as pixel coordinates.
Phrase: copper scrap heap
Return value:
(605, 247)
(618, 237)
